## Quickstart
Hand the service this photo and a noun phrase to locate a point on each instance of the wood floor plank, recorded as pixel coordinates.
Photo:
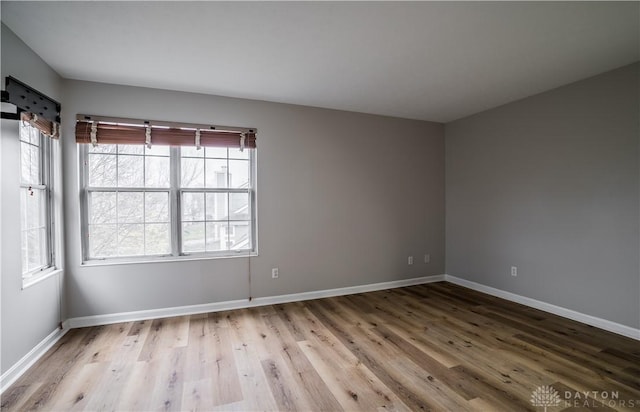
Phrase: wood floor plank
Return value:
(16, 399)
(436, 346)
(118, 374)
(55, 366)
(353, 385)
(255, 388)
(211, 376)
(108, 342)
(630, 385)
(167, 391)
(197, 395)
(286, 392)
(314, 388)
(412, 400)
(143, 373)
(222, 368)
(76, 392)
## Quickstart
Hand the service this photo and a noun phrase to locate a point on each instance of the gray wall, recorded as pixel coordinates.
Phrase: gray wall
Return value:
(343, 199)
(550, 184)
(28, 315)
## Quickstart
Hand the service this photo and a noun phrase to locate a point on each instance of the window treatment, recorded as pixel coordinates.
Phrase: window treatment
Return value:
(33, 107)
(49, 128)
(103, 130)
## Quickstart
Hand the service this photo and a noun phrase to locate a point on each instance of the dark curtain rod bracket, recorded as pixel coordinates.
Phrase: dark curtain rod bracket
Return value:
(28, 99)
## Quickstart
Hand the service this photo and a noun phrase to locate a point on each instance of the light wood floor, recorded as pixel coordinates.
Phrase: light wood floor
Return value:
(429, 347)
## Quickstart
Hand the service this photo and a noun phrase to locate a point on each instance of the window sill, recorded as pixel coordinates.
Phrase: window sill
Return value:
(33, 280)
(160, 259)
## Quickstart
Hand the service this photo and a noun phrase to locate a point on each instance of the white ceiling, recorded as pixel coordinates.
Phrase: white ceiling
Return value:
(422, 60)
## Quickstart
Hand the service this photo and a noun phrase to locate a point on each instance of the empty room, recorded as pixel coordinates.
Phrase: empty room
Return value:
(320, 206)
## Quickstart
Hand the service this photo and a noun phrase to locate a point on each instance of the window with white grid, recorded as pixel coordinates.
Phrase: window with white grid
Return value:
(35, 201)
(165, 202)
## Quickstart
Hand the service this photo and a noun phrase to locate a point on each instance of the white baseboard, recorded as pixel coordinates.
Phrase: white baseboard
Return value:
(20, 367)
(548, 307)
(243, 303)
(11, 375)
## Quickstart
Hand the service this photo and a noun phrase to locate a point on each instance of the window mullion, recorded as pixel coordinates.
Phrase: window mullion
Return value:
(204, 194)
(44, 163)
(144, 220)
(228, 229)
(175, 199)
(214, 190)
(127, 189)
(84, 203)
(32, 186)
(48, 192)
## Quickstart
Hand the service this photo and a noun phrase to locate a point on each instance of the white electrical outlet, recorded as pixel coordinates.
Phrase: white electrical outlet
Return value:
(427, 258)
(410, 260)
(514, 271)
(275, 273)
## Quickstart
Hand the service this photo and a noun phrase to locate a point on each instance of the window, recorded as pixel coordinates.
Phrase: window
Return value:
(35, 202)
(215, 199)
(128, 201)
(167, 201)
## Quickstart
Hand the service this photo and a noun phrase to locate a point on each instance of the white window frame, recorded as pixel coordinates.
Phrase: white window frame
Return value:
(175, 195)
(46, 185)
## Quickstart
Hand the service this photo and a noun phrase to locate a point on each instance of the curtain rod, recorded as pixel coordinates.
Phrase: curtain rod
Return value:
(177, 125)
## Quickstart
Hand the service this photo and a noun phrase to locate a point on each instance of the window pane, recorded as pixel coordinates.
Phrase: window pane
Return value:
(103, 240)
(44, 258)
(33, 208)
(41, 194)
(157, 172)
(130, 207)
(192, 206)
(193, 237)
(36, 173)
(239, 173)
(29, 134)
(192, 171)
(25, 162)
(156, 150)
(240, 237)
(35, 244)
(130, 171)
(217, 206)
(237, 154)
(131, 239)
(31, 248)
(216, 173)
(156, 206)
(217, 236)
(25, 132)
(102, 207)
(157, 239)
(102, 170)
(191, 151)
(25, 252)
(30, 163)
(218, 152)
(35, 135)
(130, 149)
(239, 206)
(104, 148)
(24, 215)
